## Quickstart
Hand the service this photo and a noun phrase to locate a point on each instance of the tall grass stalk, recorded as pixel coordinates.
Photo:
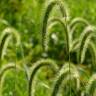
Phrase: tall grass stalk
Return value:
(37, 66)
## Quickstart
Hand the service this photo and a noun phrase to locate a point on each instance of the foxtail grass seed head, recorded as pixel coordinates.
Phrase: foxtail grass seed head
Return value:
(3, 72)
(46, 17)
(6, 36)
(63, 75)
(37, 66)
(85, 38)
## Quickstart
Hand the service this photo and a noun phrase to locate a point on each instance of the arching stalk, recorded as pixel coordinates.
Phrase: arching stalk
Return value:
(2, 44)
(63, 75)
(92, 50)
(46, 17)
(13, 32)
(85, 47)
(46, 42)
(3, 72)
(84, 41)
(74, 23)
(38, 65)
(6, 35)
(52, 21)
(74, 46)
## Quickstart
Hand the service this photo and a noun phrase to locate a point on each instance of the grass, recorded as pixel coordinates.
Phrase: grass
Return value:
(60, 60)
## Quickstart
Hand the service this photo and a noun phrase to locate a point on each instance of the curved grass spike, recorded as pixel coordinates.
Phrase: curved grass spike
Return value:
(64, 75)
(46, 17)
(92, 50)
(85, 47)
(76, 21)
(8, 33)
(91, 86)
(52, 21)
(84, 41)
(5, 39)
(3, 72)
(74, 45)
(46, 42)
(36, 67)
(7, 24)
(73, 24)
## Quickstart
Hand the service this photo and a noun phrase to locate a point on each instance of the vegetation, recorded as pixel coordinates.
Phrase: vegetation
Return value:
(47, 50)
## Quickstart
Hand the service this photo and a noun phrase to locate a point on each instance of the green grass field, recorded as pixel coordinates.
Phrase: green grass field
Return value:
(47, 48)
